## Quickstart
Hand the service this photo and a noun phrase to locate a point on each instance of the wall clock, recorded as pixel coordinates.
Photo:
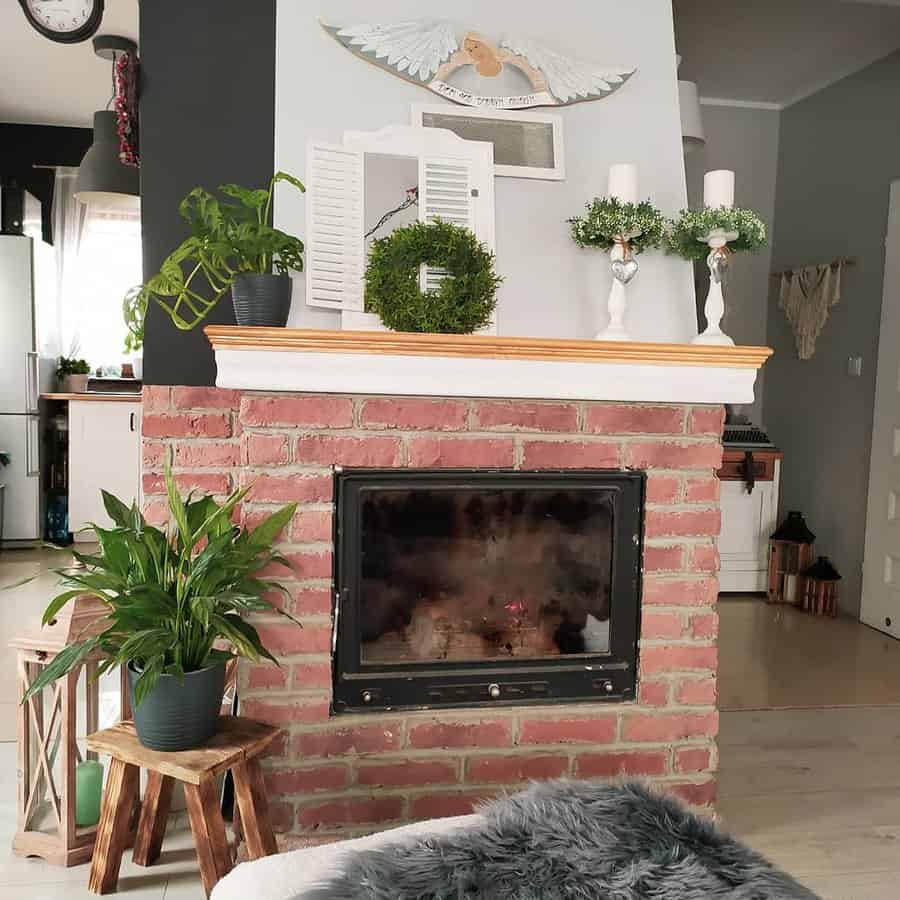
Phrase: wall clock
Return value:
(64, 21)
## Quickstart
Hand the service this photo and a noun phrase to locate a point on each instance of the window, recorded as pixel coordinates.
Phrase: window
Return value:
(98, 259)
(107, 264)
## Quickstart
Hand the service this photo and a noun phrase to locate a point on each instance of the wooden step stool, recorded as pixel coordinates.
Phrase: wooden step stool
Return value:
(236, 746)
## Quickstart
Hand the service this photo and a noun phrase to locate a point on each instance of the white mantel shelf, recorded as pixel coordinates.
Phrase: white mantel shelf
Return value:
(450, 365)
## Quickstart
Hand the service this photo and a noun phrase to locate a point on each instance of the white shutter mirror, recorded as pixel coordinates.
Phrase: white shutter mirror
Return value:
(335, 260)
(401, 174)
(445, 192)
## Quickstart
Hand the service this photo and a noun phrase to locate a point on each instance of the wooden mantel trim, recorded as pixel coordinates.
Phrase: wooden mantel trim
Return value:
(389, 343)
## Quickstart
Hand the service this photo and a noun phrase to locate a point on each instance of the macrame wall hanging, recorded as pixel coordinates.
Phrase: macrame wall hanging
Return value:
(807, 296)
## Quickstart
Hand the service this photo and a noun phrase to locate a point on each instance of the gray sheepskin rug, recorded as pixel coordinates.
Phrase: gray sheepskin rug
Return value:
(568, 840)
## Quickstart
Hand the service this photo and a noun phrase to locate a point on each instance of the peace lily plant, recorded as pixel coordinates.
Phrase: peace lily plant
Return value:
(175, 602)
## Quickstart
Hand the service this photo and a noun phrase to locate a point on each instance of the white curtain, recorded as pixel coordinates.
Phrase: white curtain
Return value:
(68, 222)
(98, 261)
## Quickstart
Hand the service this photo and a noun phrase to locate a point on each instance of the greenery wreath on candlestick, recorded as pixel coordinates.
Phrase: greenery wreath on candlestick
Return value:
(465, 299)
(607, 221)
(686, 234)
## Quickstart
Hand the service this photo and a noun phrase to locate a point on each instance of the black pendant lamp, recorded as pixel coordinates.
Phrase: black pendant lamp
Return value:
(102, 177)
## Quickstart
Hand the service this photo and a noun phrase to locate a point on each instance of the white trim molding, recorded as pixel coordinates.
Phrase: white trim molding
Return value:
(741, 104)
(481, 366)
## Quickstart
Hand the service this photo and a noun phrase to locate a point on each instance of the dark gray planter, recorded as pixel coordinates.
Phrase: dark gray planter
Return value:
(179, 715)
(263, 300)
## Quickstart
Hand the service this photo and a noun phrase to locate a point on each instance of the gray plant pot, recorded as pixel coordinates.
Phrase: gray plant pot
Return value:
(263, 300)
(75, 384)
(179, 715)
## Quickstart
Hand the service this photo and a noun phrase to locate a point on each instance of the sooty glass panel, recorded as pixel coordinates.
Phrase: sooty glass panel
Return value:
(451, 575)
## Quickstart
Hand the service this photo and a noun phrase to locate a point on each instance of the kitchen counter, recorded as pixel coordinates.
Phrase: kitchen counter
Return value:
(108, 397)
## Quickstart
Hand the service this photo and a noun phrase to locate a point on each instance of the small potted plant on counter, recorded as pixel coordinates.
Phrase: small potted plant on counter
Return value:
(73, 374)
(232, 246)
(173, 596)
(134, 310)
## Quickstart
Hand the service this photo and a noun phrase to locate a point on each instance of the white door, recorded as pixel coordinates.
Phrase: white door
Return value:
(104, 454)
(881, 564)
(20, 438)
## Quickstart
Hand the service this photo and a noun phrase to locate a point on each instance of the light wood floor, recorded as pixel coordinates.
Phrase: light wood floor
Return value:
(817, 792)
(776, 657)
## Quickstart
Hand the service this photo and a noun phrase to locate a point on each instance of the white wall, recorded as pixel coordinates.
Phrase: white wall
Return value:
(551, 288)
(745, 140)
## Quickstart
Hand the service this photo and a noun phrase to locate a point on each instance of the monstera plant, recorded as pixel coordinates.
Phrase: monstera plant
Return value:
(232, 246)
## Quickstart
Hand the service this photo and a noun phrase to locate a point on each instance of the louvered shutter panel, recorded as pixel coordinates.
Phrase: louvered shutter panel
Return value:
(445, 193)
(335, 254)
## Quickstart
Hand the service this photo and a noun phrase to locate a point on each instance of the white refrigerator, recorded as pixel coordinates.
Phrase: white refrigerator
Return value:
(29, 347)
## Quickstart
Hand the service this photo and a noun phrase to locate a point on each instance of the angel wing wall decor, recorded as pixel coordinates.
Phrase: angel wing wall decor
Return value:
(471, 70)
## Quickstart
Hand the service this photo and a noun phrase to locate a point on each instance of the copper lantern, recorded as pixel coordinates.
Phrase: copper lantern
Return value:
(791, 549)
(820, 588)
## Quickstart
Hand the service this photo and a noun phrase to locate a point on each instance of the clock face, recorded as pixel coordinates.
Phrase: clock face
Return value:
(66, 21)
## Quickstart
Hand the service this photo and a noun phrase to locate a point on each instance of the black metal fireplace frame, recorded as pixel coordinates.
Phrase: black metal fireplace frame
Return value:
(611, 676)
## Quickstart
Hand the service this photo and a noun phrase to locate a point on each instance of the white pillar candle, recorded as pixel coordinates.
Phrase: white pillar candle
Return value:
(623, 182)
(790, 588)
(718, 188)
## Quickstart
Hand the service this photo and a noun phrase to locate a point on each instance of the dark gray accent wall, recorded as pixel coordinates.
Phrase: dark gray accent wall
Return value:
(24, 146)
(839, 152)
(207, 118)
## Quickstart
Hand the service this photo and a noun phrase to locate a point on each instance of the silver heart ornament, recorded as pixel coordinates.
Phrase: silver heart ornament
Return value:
(624, 269)
(718, 266)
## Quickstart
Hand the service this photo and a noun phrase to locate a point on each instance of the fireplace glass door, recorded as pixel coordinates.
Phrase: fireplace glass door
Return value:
(495, 586)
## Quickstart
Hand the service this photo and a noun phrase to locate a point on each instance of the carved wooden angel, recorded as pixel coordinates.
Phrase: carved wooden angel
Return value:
(516, 73)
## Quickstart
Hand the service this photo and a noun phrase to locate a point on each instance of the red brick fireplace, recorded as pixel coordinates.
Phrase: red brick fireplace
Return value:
(353, 773)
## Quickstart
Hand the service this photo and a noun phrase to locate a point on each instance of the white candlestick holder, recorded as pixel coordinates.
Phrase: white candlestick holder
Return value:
(624, 266)
(714, 310)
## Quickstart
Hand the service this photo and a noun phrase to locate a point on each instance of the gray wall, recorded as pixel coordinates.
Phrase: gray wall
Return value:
(839, 151)
(745, 140)
(207, 113)
(551, 288)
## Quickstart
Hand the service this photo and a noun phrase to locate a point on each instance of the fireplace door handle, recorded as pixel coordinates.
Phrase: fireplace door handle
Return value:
(338, 596)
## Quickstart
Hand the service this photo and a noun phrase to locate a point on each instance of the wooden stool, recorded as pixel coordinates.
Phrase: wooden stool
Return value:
(236, 746)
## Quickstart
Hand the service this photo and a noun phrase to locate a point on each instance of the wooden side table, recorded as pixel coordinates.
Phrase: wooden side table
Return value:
(236, 746)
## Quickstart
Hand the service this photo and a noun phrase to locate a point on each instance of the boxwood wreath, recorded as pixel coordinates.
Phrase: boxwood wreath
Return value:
(608, 221)
(465, 300)
(686, 234)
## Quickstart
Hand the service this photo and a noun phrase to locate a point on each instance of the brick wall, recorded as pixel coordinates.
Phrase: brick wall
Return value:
(354, 773)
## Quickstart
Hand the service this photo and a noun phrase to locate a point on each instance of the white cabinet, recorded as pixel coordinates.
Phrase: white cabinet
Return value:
(104, 453)
(748, 518)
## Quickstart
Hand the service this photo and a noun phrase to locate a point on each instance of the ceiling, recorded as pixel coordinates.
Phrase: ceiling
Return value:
(756, 51)
(45, 83)
(779, 51)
